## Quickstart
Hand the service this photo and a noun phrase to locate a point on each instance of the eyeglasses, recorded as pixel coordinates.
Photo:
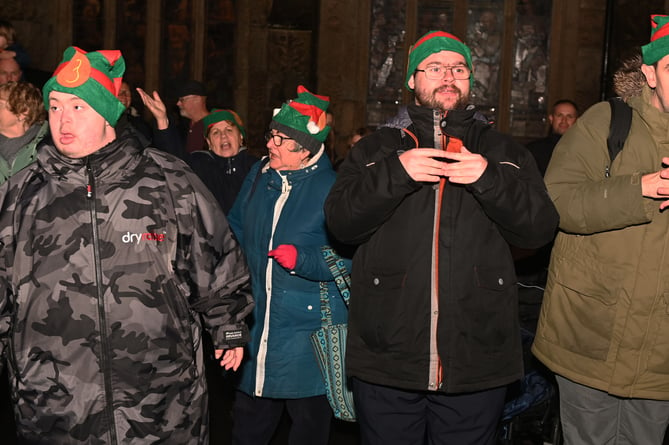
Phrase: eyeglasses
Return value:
(438, 72)
(183, 99)
(277, 139)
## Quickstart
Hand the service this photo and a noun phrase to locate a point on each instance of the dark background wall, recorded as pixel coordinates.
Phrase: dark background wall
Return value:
(252, 54)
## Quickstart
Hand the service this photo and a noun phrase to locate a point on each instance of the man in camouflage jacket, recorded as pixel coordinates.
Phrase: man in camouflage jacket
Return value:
(112, 261)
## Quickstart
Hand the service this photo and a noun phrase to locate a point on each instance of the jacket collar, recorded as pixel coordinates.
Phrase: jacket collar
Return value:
(114, 159)
(316, 164)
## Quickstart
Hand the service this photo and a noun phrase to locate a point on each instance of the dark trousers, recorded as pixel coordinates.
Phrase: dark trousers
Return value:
(255, 419)
(390, 416)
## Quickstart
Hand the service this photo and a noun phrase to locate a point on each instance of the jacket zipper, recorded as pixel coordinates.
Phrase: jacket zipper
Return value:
(439, 377)
(105, 348)
(264, 338)
(435, 374)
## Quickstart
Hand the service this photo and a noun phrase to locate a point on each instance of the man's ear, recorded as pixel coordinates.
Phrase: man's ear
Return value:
(649, 72)
(412, 82)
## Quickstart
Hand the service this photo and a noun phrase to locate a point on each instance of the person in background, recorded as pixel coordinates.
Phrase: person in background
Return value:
(114, 260)
(10, 71)
(224, 165)
(562, 116)
(10, 47)
(358, 134)
(192, 104)
(279, 222)
(532, 264)
(132, 118)
(604, 326)
(22, 126)
(432, 200)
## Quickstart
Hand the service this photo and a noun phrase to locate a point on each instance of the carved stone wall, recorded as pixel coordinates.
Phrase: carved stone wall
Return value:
(325, 47)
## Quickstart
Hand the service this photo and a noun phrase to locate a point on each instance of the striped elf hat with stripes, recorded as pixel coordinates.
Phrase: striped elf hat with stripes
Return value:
(659, 39)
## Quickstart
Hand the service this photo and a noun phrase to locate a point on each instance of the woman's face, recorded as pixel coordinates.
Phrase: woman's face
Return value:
(224, 139)
(283, 152)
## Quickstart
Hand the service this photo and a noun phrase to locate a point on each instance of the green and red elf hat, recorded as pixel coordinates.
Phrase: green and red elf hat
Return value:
(94, 77)
(434, 42)
(218, 115)
(659, 41)
(304, 119)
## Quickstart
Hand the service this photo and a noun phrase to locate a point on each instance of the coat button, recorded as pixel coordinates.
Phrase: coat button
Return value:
(310, 307)
(376, 281)
(501, 281)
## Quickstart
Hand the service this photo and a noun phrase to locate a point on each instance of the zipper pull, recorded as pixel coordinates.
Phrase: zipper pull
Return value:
(89, 186)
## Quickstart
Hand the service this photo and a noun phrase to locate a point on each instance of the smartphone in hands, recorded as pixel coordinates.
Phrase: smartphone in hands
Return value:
(453, 145)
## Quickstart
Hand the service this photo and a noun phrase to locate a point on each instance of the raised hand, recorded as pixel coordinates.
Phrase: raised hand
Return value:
(156, 106)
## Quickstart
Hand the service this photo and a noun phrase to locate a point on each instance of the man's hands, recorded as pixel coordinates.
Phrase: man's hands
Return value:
(156, 106)
(230, 358)
(656, 185)
(429, 165)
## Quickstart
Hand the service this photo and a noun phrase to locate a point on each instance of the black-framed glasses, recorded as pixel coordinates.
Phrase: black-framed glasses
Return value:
(277, 139)
(438, 72)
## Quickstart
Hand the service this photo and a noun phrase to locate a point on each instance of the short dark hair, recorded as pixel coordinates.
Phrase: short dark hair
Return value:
(565, 101)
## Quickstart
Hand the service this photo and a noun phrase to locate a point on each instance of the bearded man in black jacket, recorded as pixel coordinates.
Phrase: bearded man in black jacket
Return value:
(433, 199)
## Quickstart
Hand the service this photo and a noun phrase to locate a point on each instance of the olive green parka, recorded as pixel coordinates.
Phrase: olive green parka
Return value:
(605, 316)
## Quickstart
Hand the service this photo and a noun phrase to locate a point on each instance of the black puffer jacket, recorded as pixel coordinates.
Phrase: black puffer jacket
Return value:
(435, 307)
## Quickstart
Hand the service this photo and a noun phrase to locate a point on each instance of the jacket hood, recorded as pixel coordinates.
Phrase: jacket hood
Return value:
(628, 80)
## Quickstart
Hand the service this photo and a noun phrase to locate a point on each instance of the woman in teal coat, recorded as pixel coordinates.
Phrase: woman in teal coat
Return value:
(279, 221)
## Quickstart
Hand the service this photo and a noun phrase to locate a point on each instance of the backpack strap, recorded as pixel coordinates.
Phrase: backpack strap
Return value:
(263, 162)
(619, 128)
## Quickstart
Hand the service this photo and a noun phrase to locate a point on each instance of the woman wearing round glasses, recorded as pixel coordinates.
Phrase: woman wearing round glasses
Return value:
(279, 221)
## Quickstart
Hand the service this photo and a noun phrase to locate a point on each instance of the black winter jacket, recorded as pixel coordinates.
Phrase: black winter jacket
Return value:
(222, 176)
(436, 308)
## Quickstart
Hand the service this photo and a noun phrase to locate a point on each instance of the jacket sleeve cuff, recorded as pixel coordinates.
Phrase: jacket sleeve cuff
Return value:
(485, 182)
(231, 336)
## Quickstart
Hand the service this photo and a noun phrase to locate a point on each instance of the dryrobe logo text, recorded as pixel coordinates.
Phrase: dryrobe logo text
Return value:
(136, 238)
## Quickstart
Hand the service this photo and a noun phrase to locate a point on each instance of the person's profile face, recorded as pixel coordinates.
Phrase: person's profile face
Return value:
(187, 104)
(283, 152)
(657, 78)
(76, 128)
(9, 122)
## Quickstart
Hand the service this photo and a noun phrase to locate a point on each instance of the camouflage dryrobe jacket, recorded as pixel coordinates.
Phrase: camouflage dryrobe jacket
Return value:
(110, 267)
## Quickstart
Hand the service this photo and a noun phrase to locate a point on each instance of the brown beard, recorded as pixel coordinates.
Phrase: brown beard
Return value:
(432, 102)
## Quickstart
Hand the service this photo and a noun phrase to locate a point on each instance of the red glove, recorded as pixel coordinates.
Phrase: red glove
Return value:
(286, 255)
